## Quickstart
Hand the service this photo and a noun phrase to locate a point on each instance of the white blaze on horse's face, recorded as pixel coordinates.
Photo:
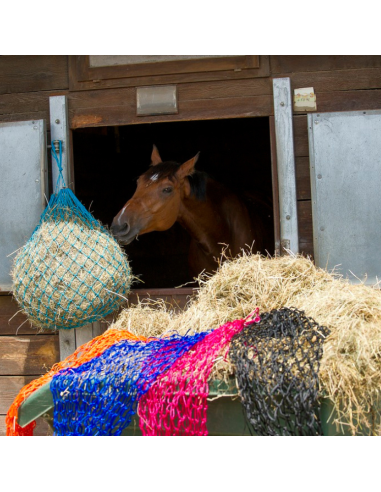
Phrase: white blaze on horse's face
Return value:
(121, 214)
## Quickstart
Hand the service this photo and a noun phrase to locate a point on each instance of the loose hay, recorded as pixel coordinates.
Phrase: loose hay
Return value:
(350, 372)
(69, 275)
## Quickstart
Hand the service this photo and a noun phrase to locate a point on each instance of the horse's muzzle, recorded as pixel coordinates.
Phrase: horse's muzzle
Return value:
(123, 233)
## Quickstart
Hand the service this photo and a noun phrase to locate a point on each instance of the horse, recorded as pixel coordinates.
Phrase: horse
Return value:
(213, 216)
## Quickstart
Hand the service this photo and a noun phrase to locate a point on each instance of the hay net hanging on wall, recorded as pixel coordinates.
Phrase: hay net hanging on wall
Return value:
(277, 368)
(71, 272)
(100, 396)
(177, 403)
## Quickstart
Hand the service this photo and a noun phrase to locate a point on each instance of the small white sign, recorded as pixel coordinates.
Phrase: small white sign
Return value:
(305, 99)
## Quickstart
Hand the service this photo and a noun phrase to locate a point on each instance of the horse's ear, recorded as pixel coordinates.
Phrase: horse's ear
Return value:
(155, 157)
(187, 168)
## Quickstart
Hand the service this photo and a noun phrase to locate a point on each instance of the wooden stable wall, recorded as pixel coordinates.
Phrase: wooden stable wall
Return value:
(341, 83)
(26, 82)
(24, 356)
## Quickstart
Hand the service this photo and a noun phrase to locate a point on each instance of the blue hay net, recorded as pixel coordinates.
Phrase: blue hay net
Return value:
(71, 272)
(100, 397)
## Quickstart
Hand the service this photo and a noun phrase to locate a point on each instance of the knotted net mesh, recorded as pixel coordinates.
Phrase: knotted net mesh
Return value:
(177, 403)
(71, 272)
(100, 396)
(84, 353)
(277, 368)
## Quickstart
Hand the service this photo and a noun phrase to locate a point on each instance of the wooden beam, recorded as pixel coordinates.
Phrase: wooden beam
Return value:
(311, 63)
(200, 109)
(303, 181)
(31, 73)
(286, 164)
(25, 356)
(10, 387)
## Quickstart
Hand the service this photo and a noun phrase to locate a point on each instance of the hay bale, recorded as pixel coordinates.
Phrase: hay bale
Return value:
(350, 372)
(68, 275)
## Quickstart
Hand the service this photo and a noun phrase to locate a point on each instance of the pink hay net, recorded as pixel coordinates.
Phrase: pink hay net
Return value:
(177, 403)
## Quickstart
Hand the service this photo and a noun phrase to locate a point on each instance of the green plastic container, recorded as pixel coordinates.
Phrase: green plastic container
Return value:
(225, 413)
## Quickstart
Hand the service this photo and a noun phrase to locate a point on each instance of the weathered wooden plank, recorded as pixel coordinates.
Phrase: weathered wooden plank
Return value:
(300, 136)
(29, 102)
(76, 85)
(234, 107)
(337, 80)
(10, 387)
(303, 181)
(21, 73)
(24, 356)
(305, 222)
(286, 164)
(99, 328)
(313, 63)
(164, 67)
(83, 335)
(41, 429)
(186, 92)
(361, 100)
(306, 249)
(19, 325)
(225, 89)
(67, 343)
(8, 305)
(38, 115)
(349, 101)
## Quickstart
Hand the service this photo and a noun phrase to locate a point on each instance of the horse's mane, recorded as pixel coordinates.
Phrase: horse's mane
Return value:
(168, 170)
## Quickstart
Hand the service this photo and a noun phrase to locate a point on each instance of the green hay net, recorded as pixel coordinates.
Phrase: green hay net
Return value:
(71, 272)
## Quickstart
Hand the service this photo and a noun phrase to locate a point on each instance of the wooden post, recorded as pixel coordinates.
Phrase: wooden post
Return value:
(286, 165)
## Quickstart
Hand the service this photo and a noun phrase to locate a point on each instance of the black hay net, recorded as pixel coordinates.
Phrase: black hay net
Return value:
(277, 369)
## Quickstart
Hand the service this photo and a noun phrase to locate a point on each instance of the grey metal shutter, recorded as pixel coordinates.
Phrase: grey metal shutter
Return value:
(23, 180)
(345, 159)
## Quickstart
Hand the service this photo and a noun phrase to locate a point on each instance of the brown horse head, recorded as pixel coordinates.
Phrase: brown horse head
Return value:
(155, 206)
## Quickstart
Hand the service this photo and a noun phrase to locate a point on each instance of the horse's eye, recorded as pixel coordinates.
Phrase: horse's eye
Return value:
(167, 190)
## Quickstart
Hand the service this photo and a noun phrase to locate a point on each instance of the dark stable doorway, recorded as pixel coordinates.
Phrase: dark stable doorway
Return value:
(108, 160)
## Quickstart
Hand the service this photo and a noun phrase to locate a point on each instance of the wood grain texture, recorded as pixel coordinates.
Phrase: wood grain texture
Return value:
(27, 355)
(39, 115)
(27, 106)
(300, 136)
(66, 343)
(349, 101)
(32, 102)
(337, 80)
(78, 74)
(13, 322)
(186, 92)
(19, 325)
(200, 109)
(8, 305)
(305, 226)
(313, 63)
(164, 67)
(303, 181)
(21, 73)
(10, 387)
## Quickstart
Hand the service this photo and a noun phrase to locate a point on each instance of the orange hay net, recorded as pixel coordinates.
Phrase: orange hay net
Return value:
(83, 354)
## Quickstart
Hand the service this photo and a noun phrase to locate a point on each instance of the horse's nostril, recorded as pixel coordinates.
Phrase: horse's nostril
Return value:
(120, 230)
